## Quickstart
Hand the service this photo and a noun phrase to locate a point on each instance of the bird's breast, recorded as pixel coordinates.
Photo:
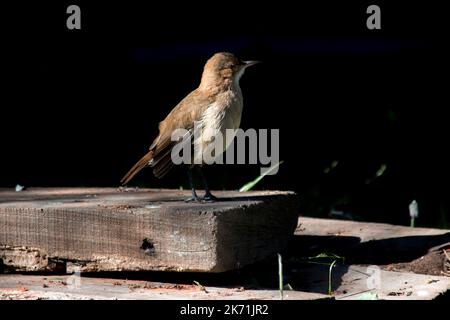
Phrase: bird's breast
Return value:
(224, 113)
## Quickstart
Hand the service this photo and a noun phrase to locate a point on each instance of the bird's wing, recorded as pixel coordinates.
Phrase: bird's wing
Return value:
(183, 116)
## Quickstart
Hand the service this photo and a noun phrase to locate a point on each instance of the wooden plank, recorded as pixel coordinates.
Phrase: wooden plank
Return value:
(355, 282)
(388, 261)
(400, 247)
(105, 229)
(358, 242)
(64, 287)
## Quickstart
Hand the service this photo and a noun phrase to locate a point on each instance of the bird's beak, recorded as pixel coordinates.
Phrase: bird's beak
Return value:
(250, 63)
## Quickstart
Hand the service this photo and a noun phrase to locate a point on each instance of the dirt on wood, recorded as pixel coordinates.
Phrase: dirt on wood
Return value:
(435, 262)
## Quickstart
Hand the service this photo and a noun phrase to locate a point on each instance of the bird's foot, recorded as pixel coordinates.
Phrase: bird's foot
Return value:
(209, 197)
(193, 199)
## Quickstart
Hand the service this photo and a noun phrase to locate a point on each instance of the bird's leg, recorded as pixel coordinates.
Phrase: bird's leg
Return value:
(208, 195)
(194, 196)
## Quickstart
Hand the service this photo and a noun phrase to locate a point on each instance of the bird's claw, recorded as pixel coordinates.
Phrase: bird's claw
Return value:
(209, 197)
(192, 199)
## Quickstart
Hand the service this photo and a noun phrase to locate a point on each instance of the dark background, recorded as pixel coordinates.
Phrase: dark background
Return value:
(80, 107)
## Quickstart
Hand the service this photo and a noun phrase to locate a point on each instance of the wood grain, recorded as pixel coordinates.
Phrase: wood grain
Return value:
(104, 229)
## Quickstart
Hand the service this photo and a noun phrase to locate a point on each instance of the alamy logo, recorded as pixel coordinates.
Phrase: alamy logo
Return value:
(201, 146)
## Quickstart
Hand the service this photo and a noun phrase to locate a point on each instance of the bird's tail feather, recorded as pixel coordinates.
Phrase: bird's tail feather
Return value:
(137, 167)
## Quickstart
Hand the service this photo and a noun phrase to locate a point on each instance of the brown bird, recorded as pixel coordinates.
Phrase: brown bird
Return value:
(216, 105)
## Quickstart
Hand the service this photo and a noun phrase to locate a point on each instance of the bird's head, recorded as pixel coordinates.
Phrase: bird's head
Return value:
(224, 68)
